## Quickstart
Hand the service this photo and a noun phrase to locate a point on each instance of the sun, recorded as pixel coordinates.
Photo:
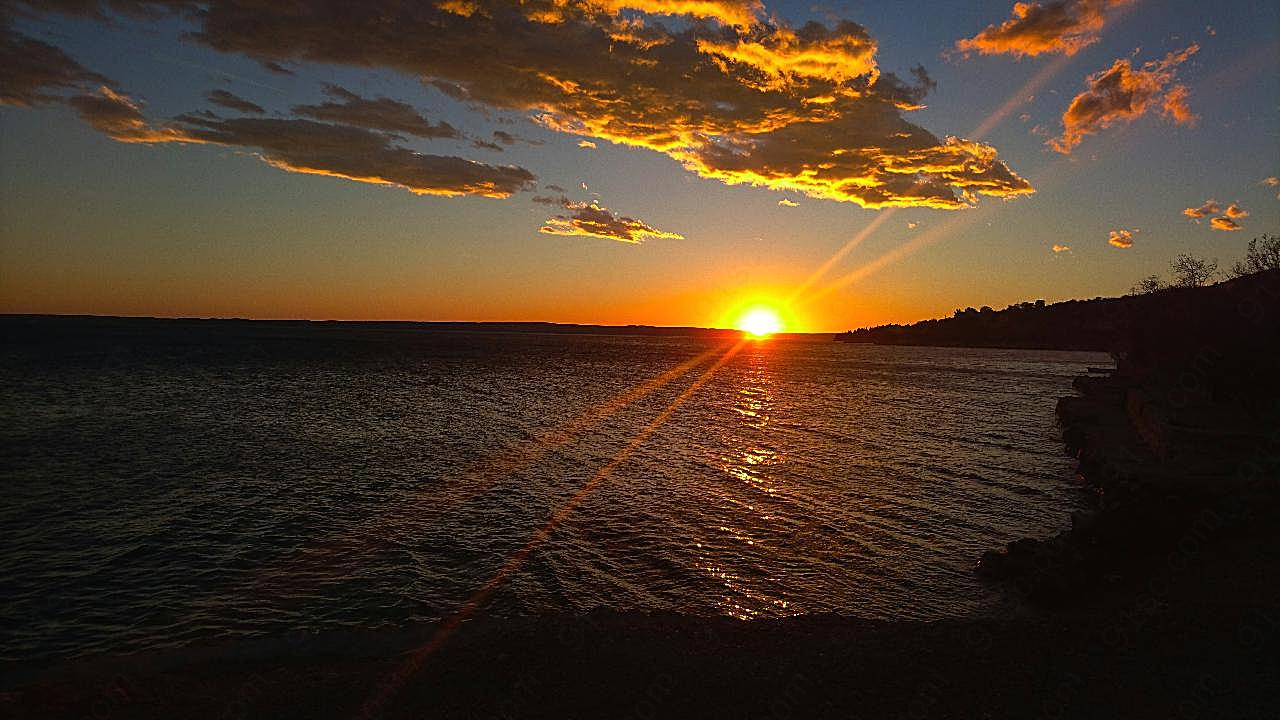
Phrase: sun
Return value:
(760, 322)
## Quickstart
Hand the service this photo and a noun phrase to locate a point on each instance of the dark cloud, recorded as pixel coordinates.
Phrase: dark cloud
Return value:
(592, 220)
(380, 114)
(1063, 26)
(276, 68)
(554, 188)
(30, 70)
(355, 153)
(1123, 93)
(233, 102)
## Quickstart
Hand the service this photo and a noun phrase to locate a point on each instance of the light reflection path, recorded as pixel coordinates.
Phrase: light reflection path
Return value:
(393, 682)
(748, 466)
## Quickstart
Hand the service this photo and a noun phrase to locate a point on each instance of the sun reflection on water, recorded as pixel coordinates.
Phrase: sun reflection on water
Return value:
(733, 557)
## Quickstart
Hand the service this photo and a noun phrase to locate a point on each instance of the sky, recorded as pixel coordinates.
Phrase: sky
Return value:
(659, 162)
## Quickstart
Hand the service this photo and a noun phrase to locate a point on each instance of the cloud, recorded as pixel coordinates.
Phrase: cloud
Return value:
(380, 114)
(592, 220)
(586, 144)
(1067, 248)
(913, 225)
(1175, 107)
(784, 202)
(1208, 208)
(1225, 224)
(233, 102)
(1122, 239)
(118, 117)
(729, 12)
(1234, 211)
(1122, 94)
(730, 95)
(355, 153)
(1271, 181)
(30, 69)
(1063, 26)
(554, 188)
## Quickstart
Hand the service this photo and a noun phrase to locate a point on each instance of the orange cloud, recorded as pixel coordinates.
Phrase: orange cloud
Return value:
(1271, 181)
(1064, 26)
(1067, 248)
(592, 220)
(586, 144)
(1208, 208)
(1225, 224)
(729, 12)
(784, 202)
(1234, 211)
(1121, 94)
(1175, 107)
(1122, 239)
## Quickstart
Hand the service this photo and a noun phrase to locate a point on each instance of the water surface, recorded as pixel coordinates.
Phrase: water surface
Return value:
(164, 487)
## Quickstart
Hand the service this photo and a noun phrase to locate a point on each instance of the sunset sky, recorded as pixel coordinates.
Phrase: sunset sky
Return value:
(662, 162)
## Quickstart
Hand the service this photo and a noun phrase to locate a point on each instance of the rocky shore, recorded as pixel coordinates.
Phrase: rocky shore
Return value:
(1180, 444)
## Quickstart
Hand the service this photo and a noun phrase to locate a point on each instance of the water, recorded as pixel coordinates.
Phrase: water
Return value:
(163, 488)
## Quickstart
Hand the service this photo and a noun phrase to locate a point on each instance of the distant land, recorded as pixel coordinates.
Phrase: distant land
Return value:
(1102, 324)
(66, 323)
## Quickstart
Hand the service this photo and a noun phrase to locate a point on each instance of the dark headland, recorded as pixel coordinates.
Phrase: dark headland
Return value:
(1163, 601)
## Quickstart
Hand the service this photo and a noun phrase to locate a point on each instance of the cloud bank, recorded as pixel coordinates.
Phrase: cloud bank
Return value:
(730, 92)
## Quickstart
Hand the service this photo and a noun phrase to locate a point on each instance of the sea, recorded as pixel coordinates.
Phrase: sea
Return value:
(169, 483)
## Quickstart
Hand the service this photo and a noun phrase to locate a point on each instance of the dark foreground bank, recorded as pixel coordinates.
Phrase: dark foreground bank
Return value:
(1154, 658)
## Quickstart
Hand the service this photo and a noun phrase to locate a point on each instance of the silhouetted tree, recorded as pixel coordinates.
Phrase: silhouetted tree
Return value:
(1191, 271)
(1148, 284)
(1263, 254)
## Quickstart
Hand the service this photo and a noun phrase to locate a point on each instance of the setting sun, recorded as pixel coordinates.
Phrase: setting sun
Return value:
(760, 322)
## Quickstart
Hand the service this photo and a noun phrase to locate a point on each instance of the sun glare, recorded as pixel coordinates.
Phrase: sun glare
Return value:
(760, 322)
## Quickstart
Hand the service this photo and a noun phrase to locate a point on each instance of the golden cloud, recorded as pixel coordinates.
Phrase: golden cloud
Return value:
(1225, 224)
(1064, 26)
(1234, 211)
(1067, 248)
(729, 12)
(592, 220)
(1121, 94)
(1122, 239)
(1208, 208)
(784, 202)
